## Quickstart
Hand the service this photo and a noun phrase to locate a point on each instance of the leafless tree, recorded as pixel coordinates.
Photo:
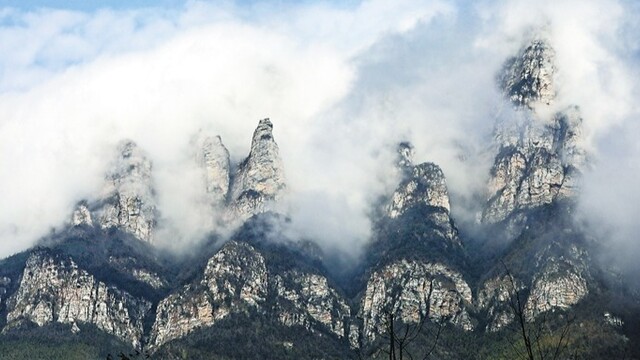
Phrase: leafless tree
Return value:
(539, 340)
(398, 335)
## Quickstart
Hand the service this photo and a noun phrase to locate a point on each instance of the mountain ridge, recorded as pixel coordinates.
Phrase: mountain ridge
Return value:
(103, 270)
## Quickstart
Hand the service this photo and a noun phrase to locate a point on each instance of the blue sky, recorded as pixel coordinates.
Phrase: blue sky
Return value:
(86, 5)
(89, 5)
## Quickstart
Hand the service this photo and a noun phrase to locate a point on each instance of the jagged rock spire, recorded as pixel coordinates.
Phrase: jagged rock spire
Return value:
(213, 157)
(405, 155)
(528, 77)
(538, 160)
(260, 177)
(421, 184)
(425, 185)
(128, 199)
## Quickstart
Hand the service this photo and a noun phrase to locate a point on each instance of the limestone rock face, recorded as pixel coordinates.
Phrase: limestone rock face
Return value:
(128, 200)
(305, 298)
(561, 284)
(426, 185)
(558, 282)
(213, 157)
(234, 278)
(538, 160)
(410, 290)
(421, 185)
(528, 77)
(237, 279)
(56, 290)
(259, 179)
(495, 297)
(81, 215)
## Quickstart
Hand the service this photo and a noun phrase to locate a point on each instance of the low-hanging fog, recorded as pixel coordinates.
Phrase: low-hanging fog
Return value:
(342, 83)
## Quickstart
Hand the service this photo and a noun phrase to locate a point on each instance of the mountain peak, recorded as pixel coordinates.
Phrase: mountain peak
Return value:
(264, 131)
(128, 200)
(527, 79)
(213, 158)
(260, 177)
(405, 155)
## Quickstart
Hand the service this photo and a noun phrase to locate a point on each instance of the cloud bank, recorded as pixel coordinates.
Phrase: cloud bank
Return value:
(342, 84)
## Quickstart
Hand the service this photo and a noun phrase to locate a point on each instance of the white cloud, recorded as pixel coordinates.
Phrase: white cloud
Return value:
(342, 85)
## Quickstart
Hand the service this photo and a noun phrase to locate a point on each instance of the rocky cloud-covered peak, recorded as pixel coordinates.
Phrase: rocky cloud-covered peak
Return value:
(213, 157)
(405, 155)
(260, 177)
(423, 184)
(129, 196)
(536, 164)
(528, 77)
(127, 201)
(56, 290)
(539, 157)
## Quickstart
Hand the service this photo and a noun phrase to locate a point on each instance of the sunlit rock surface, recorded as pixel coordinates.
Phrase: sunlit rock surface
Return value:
(409, 290)
(236, 279)
(56, 290)
(539, 157)
(213, 157)
(259, 179)
(528, 77)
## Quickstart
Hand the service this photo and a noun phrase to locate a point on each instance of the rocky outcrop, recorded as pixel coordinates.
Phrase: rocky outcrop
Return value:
(412, 290)
(213, 157)
(305, 299)
(496, 297)
(128, 200)
(560, 280)
(259, 179)
(528, 77)
(237, 279)
(55, 289)
(560, 284)
(422, 185)
(425, 185)
(538, 160)
(234, 278)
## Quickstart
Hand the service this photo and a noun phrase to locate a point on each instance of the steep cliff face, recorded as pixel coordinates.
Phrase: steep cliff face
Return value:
(537, 163)
(557, 278)
(560, 283)
(496, 298)
(538, 160)
(259, 179)
(54, 289)
(237, 279)
(413, 290)
(421, 186)
(307, 299)
(528, 77)
(416, 254)
(234, 278)
(127, 201)
(130, 266)
(213, 157)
